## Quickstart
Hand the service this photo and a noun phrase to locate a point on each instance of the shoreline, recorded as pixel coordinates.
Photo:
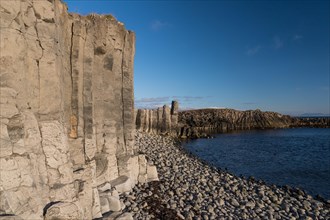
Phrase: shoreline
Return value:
(206, 133)
(189, 188)
(181, 143)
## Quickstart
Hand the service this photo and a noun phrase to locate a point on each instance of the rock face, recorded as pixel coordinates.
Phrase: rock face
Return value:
(200, 123)
(159, 121)
(206, 121)
(314, 122)
(66, 119)
(224, 120)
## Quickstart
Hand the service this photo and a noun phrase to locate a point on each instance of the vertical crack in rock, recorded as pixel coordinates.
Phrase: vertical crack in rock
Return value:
(87, 107)
(37, 33)
(43, 151)
(42, 52)
(74, 100)
(38, 67)
(122, 91)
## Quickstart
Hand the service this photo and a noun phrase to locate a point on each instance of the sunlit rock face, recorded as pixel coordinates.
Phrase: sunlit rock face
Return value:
(66, 119)
(163, 120)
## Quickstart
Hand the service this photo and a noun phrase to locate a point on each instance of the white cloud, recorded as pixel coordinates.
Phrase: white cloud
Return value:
(153, 99)
(185, 108)
(215, 107)
(297, 37)
(277, 42)
(157, 25)
(249, 103)
(254, 50)
(155, 102)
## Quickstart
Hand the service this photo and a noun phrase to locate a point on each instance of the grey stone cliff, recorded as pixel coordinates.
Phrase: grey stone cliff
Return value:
(67, 112)
(158, 121)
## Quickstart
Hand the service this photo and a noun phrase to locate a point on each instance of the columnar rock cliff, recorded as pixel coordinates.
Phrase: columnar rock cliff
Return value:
(224, 120)
(201, 122)
(159, 121)
(67, 129)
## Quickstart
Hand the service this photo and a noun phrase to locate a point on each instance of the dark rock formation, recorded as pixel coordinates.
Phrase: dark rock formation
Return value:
(199, 123)
(314, 122)
(203, 122)
(225, 120)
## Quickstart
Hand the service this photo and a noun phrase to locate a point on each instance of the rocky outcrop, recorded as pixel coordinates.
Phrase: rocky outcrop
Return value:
(159, 121)
(201, 123)
(314, 122)
(196, 123)
(224, 120)
(66, 119)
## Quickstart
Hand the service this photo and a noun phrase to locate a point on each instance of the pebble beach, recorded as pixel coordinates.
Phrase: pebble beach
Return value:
(188, 188)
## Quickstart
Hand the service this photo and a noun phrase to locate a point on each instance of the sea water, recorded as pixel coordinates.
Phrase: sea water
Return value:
(299, 157)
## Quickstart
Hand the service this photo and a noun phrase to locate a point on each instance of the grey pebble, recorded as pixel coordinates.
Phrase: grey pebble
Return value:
(196, 191)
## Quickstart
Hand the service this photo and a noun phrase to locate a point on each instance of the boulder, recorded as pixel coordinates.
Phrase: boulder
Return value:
(125, 216)
(68, 211)
(152, 173)
(122, 184)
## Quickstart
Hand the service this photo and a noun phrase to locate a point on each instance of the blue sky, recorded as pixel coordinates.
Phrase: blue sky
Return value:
(272, 55)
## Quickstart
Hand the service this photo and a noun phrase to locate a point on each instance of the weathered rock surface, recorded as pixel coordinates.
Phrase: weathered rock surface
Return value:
(314, 122)
(224, 120)
(66, 118)
(206, 121)
(198, 123)
(158, 121)
(202, 122)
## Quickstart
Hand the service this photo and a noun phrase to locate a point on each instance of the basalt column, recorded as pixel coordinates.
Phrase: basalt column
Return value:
(158, 121)
(67, 117)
